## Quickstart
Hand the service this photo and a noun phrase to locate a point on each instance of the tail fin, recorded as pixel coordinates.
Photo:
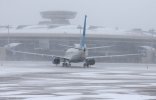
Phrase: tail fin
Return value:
(83, 39)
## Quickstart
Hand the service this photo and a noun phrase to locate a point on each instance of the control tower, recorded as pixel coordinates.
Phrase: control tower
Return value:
(57, 17)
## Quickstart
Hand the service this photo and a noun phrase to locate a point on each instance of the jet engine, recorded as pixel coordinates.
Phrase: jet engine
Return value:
(90, 61)
(56, 60)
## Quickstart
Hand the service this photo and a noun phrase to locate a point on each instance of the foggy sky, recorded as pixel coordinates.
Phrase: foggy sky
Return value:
(125, 14)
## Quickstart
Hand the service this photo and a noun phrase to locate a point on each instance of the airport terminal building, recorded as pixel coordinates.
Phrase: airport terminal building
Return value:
(47, 35)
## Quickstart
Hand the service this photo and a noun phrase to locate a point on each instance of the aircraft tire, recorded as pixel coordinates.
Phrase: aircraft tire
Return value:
(85, 65)
(63, 64)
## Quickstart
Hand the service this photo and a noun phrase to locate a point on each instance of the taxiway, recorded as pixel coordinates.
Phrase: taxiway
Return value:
(44, 81)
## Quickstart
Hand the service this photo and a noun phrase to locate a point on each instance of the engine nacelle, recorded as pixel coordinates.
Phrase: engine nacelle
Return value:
(90, 61)
(56, 60)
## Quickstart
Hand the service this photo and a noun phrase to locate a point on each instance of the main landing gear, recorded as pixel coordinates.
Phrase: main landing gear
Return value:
(86, 65)
(89, 62)
(65, 64)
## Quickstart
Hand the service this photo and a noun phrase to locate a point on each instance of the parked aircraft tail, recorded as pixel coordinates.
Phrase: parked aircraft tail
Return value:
(83, 38)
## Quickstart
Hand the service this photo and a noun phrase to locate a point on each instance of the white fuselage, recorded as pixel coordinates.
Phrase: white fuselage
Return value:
(76, 55)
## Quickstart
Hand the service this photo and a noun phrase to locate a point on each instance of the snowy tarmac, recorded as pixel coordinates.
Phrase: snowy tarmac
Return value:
(45, 81)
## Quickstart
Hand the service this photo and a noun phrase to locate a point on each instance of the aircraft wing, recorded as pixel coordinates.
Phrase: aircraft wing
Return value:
(113, 56)
(39, 54)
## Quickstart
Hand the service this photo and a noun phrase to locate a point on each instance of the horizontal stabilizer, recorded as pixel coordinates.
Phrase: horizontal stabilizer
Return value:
(66, 46)
(70, 46)
(99, 47)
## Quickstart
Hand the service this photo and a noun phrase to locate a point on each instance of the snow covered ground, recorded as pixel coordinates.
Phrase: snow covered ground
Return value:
(44, 81)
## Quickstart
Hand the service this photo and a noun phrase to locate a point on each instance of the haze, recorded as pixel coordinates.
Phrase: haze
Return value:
(125, 14)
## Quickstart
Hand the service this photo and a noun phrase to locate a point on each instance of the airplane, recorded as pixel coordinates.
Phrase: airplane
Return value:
(77, 53)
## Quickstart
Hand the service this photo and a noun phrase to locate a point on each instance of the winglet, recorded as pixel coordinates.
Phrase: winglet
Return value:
(83, 39)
